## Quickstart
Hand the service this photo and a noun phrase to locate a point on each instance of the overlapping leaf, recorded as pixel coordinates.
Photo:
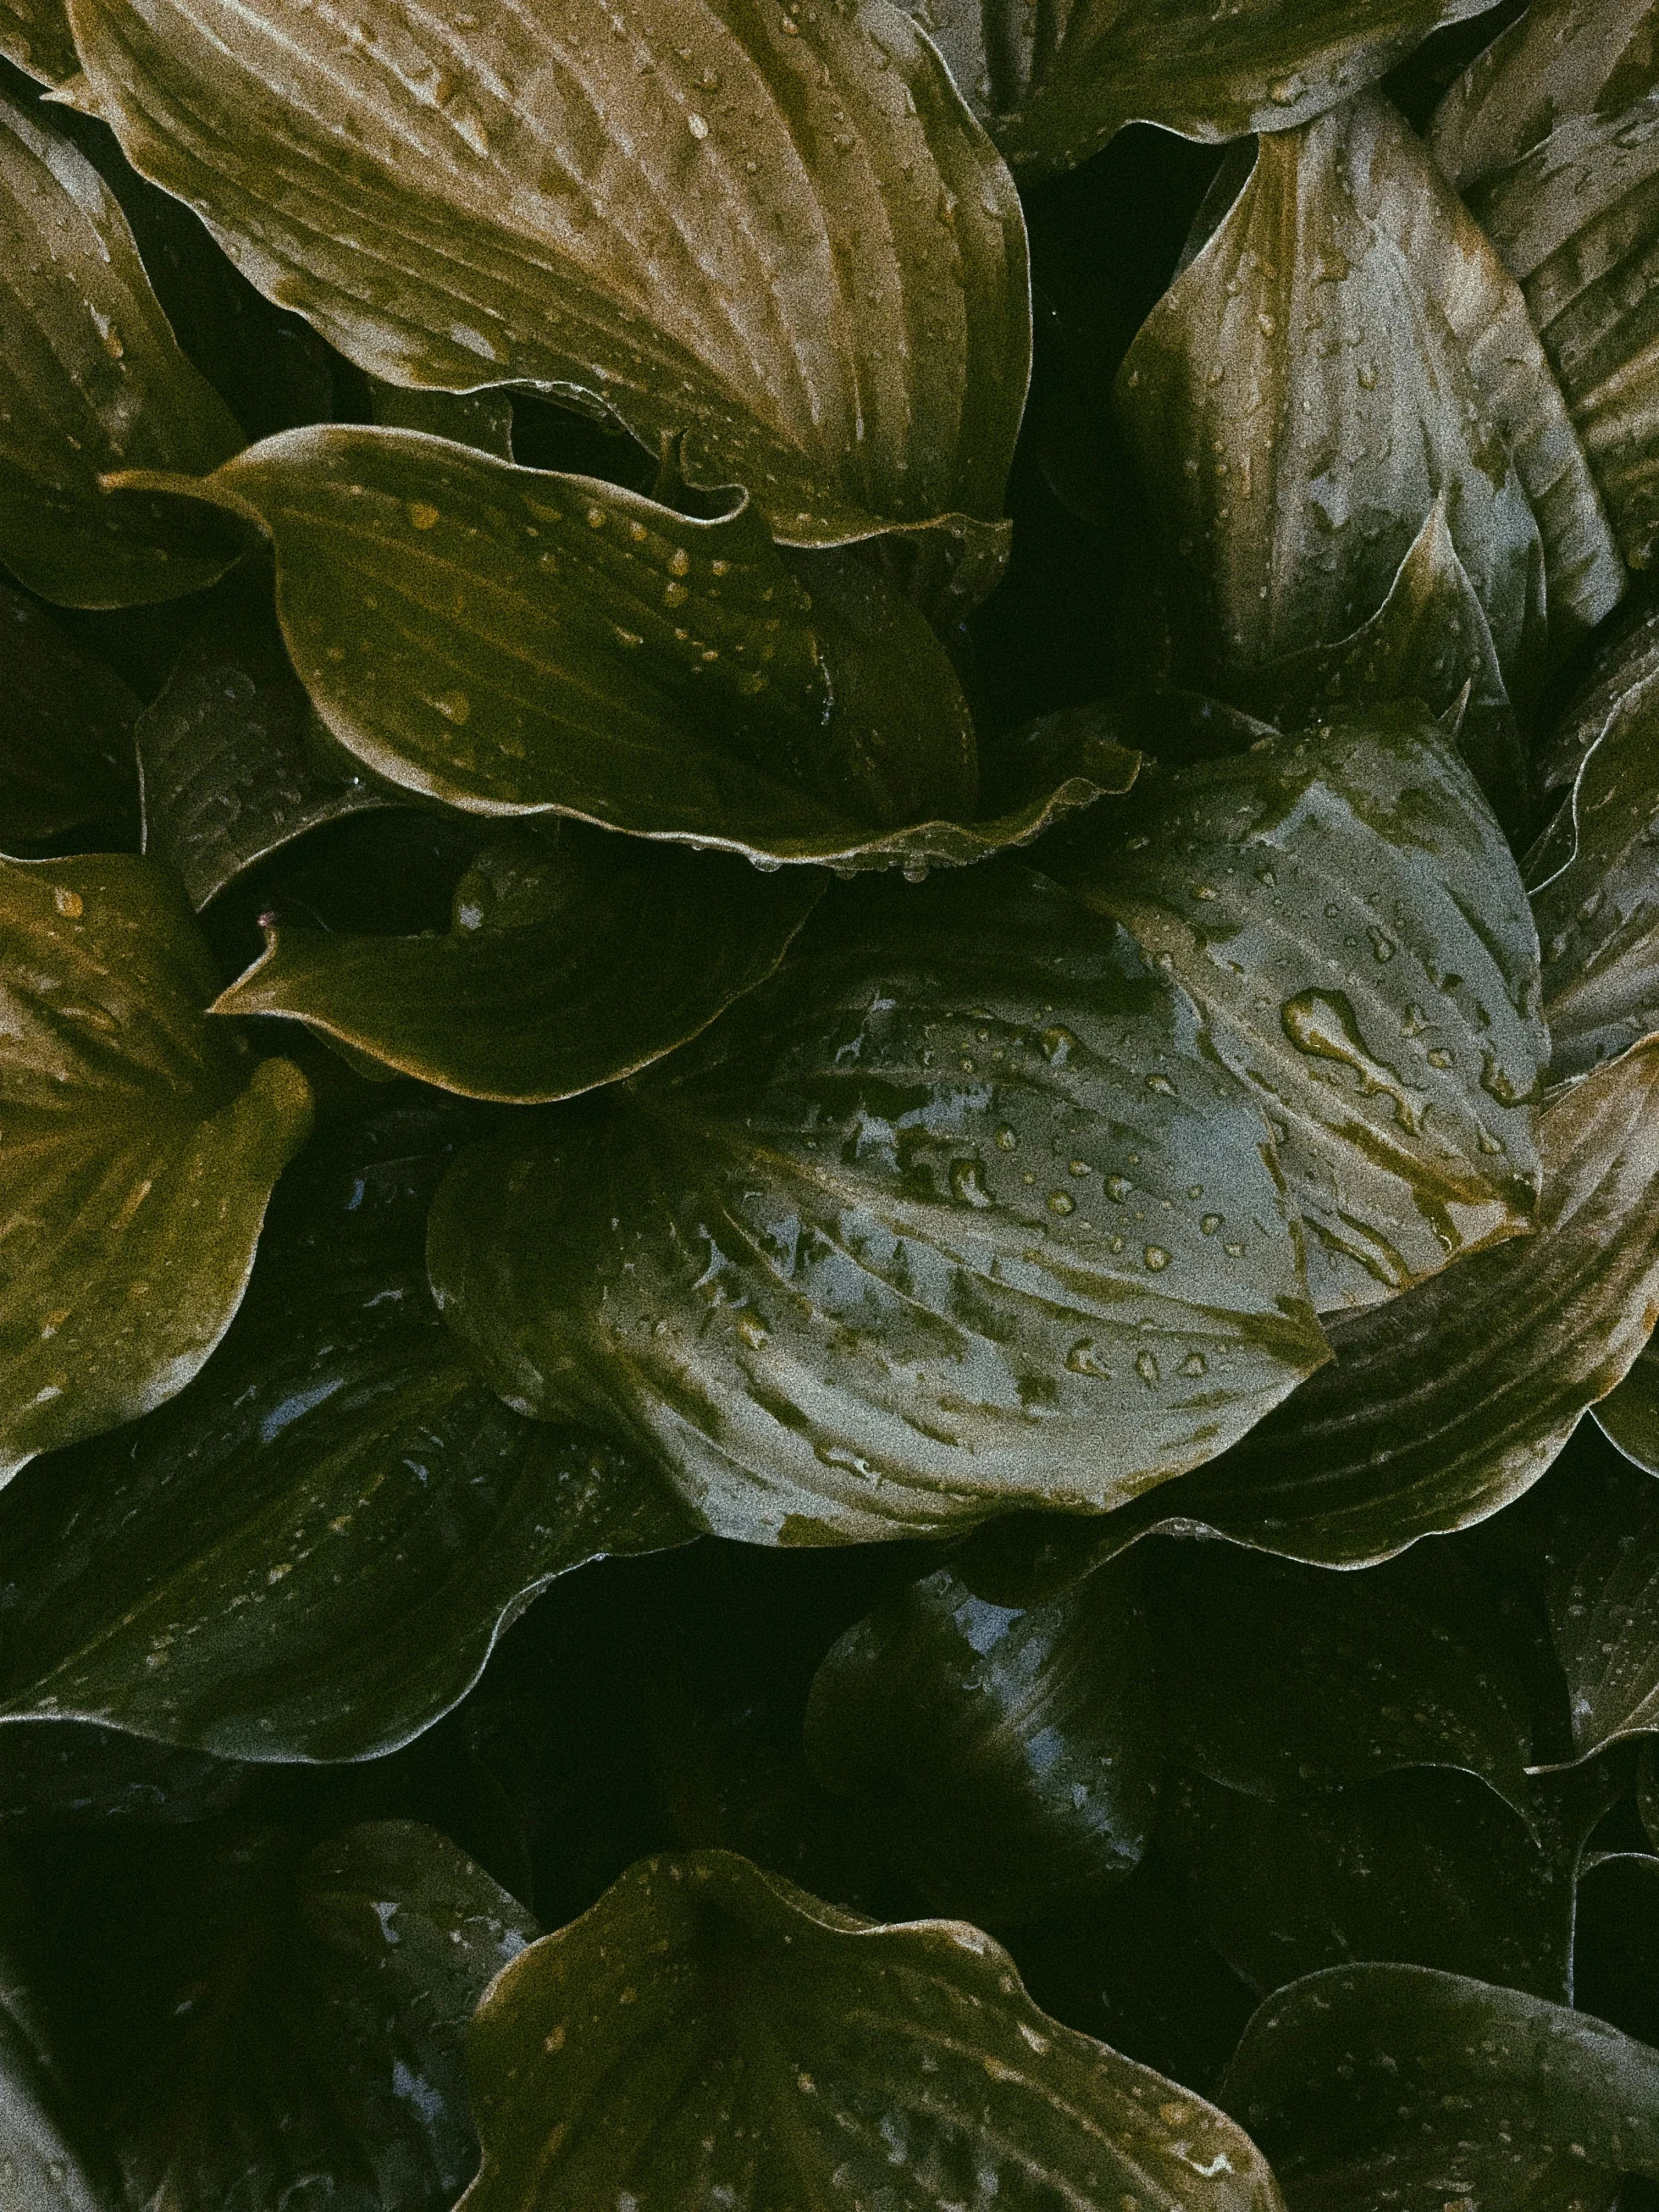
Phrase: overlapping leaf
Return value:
(1604, 1618)
(574, 958)
(66, 745)
(1629, 1416)
(1345, 911)
(35, 35)
(1561, 59)
(137, 1150)
(1054, 86)
(778, 238)
(92, 380)
(706, 2032)
(957, 1212)
(312, 1551)
(1345, 351)
(1011, 1754)
(1380, 2086)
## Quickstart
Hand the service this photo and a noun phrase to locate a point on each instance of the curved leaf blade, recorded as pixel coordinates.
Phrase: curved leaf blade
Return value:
(1559, 58)
(136, 1154)
(66, 746)
(781, 241)
(1604, 1622)
(608, 2063)
(35, 36)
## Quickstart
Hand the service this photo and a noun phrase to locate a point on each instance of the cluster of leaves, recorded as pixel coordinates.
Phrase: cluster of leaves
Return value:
(604, 966)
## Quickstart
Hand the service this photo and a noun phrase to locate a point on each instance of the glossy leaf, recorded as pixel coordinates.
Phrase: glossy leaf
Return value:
(66, 741)
(50, 2157)
(1345, 351)
(779, 240)
(311, 1554)
(1392, 2086)
(481, 419)
(614, 2060)
(316, 2036)
(1604, 1617)
(573, 959)
(1577, 220)
(1011, 1754)
(92, 380)
(1450, 1401)
(1055, 86)
(230, 763)
(1558, 60)
(139, 1150)
(1345, 913)
(920, 1231)
(1629, 1416)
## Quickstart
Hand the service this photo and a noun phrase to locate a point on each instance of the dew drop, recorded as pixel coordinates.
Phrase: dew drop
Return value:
(69, 903)
(1156, 1258)
(1195, 1363)
(1061, 1202)
(1057, 1044)
(967, 1182)
(1210, 1222)
(1161, 1084)
(422, 514)
(1147, 1367)
(454, 705)
(1007, 1141)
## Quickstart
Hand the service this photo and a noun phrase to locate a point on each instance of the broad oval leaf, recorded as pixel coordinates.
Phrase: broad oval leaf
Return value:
(1344, 909)
(312, 1552)
(1012, 1755)
(1629, 1416)
(92, 380)
(615, 2061)
(230, 761)
(137, 1150)
(1345, 349)
(573, 959)
(956, 1212)
(1381, 2085)
(1561, 59)
(66, 747)
(1054, 86)
(1604, 1621)
(780, 240)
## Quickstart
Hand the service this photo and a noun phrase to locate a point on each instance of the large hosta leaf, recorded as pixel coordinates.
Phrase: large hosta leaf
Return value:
(710, 2034)
(1564, 57)
(66, 741)
(229, 759)
(137, 1150)
(1395, 2086)
(1055, 84)
(1011, 1754)
(312, 1552)
(780, 238)
(1345, 351)
(1604, 1618)
(1447, 1404)
(92, 380)
(573, 959)
(1345, 911)
(957, 1212)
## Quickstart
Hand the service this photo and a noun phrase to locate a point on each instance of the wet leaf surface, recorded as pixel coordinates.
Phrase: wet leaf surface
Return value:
(1560, 60)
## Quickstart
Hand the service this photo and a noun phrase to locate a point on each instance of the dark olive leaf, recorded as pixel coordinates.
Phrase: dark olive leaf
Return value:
(230, 759)
(1377, 2086)
(479, 418)
(1055, 84)
(92, 380)
(1629, 1416)
(1345, 349)
(778, 238)
(1620, 674)
(1604, 1618)
(1276, 1678)
(312, 1552)
(573, 959)
(1428, 639)
(1450, 1401)
(315, 2050)
(35, 35)
(921, 1229)
(1344, 909)
(137, 1150)
(50, 2159)
(708, 2034)
(66, 739)
(1561, 59)
(80, 1772)
(1012, 1755)
(1577, 221)
(1616, 1943)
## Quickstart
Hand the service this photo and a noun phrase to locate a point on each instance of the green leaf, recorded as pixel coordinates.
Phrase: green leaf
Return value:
(780, 240)
(918, 1232)
(137, 1150)
(1345, 351)
(1380, 2085)
(314, 2045)
(231, 759)
(1012, 1755)
(92, 381)
(1055, 86)
(573, 959)
(1629, 1416)
(1604, 1620)
(1558, 60)
(1449, 1403)
(49, 2160)
(312, 1552)
(1344, 909)
(66, 743)
(1577, 221)
(479, 418)
(1598, 915)
(519, 641)
(708, 2034)
(35, 35)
